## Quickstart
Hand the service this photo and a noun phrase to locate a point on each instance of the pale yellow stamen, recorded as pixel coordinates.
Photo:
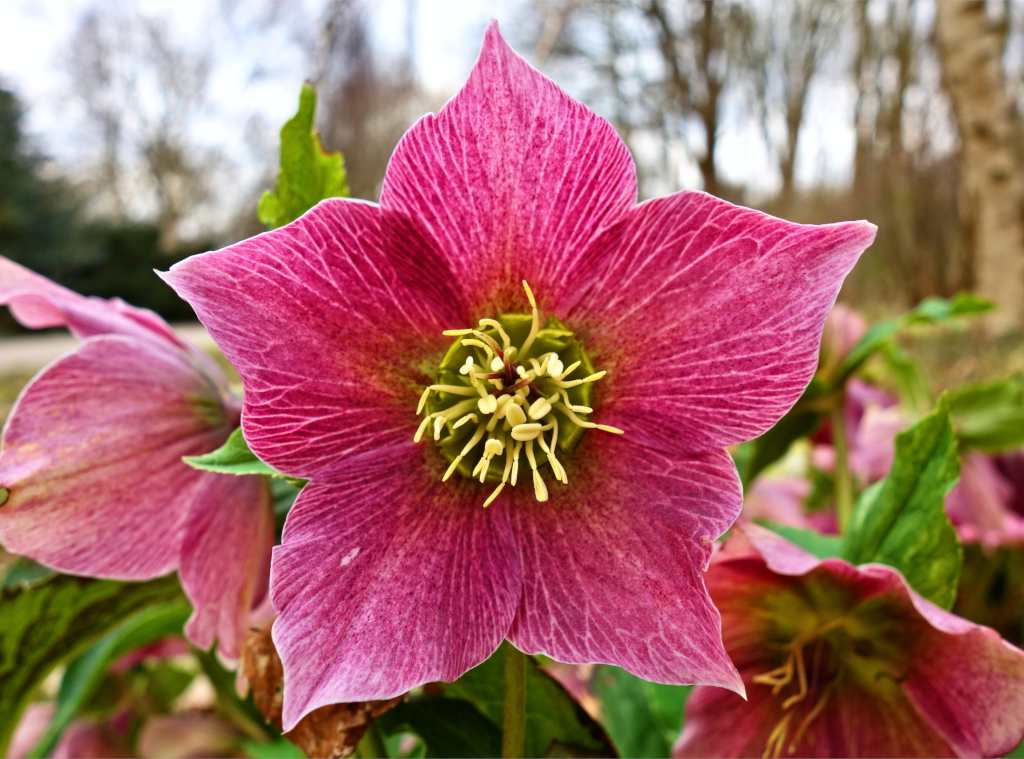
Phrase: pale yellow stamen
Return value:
(515, 414)
(527, 431)
(539, 409)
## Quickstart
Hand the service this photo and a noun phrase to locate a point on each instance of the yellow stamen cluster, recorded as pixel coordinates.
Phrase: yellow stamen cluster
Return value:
(514, 400)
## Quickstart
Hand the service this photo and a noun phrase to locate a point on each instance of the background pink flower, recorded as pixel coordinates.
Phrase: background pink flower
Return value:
(91, 476)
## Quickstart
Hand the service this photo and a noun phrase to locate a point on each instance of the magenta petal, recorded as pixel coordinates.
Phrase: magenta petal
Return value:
(92, 458)
(225, 558)
(37, 303)
(388, 578)
(613, 566)
(708, 316)
(327, 320)
(512, 178)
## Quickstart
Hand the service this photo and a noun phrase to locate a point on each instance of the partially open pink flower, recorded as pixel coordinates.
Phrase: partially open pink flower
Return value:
(873, 419)
(986, 504)
(91, 476)
(685, 322)
(778, 499)
(848, 661)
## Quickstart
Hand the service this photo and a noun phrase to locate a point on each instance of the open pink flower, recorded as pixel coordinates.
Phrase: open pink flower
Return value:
(686, 322)
(987, 504)
(91, 476)
(848, 661)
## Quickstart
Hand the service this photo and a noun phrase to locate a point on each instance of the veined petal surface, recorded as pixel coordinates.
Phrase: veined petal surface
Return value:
(512, 179)
(387, 578)
(613, 565)
(328, 321)
(225, 558)
(91, 458)
(707, 315)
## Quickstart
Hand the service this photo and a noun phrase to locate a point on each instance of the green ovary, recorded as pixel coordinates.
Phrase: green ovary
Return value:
(511, 393)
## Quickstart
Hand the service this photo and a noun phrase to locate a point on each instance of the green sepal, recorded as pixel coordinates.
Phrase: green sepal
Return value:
(235, 457)
(43, 625)
(307, 173)
(989, 416)
(901, 520)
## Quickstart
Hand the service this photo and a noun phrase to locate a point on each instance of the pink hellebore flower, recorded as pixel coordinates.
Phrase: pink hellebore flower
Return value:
(873, 419)
(844, 328)
(688, 323)
(841, 660)
(987, 504)
(91, 476)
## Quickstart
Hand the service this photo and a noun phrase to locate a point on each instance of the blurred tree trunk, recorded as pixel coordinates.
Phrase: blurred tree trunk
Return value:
(969, 46)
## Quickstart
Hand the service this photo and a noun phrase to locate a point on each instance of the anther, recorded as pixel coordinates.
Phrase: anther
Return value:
(515, 415)
(526, 431)
(488, 404)
(539, 408)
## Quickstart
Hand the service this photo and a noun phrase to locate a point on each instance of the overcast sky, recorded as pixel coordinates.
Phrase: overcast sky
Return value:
(259, 70)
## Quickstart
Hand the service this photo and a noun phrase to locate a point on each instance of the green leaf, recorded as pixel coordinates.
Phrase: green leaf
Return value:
(25, 573)
(448, 727)
(84, 675)
(234, 457)
(901, 521)
(929, 311)
(307, 173)
(989, 416)
(282, 748)
(822, 546)
(802, 420)
(43, 625)
(643, 718)
(554, 721)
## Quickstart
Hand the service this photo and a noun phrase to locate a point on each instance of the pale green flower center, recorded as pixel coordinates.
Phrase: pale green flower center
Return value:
(508, 391)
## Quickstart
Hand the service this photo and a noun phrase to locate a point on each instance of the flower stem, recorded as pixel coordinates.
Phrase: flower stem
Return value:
(843, 479)
(513, 735)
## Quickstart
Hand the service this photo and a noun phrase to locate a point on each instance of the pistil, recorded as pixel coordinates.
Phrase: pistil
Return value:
(517, 403)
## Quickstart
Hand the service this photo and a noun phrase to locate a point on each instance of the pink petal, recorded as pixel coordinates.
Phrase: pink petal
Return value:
(512, 179)
(37, 303)
(778, 499)
(225, 558)
(388, 578)
(613, 565)
(94, 447)
(981, 504)
(327, 320)
(707, 315)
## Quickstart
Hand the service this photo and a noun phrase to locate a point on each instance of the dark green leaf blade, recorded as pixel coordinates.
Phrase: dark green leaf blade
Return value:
(554, 721)
(448, 727)
(643, 718)
(43, 625)
(802, 420)
(85, 673)
(307, 173)
(901, 521)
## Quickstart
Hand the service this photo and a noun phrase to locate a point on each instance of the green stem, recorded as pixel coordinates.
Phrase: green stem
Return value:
(372, 744)
(843, 478)
(513, 735)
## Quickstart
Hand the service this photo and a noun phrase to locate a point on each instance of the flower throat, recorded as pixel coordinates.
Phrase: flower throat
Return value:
(508, 390)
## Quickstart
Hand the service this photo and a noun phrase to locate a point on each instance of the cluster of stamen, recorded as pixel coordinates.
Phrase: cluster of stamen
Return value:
(794, 673)
(515, 402)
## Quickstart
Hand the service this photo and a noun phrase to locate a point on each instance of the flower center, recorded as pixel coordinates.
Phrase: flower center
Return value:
(838, 654)
(512, 388)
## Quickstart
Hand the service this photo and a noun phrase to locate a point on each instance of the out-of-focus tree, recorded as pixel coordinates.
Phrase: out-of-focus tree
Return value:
(972, 47)
(789, 42)
(141, 95)
(366, 102)
(38, 213)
